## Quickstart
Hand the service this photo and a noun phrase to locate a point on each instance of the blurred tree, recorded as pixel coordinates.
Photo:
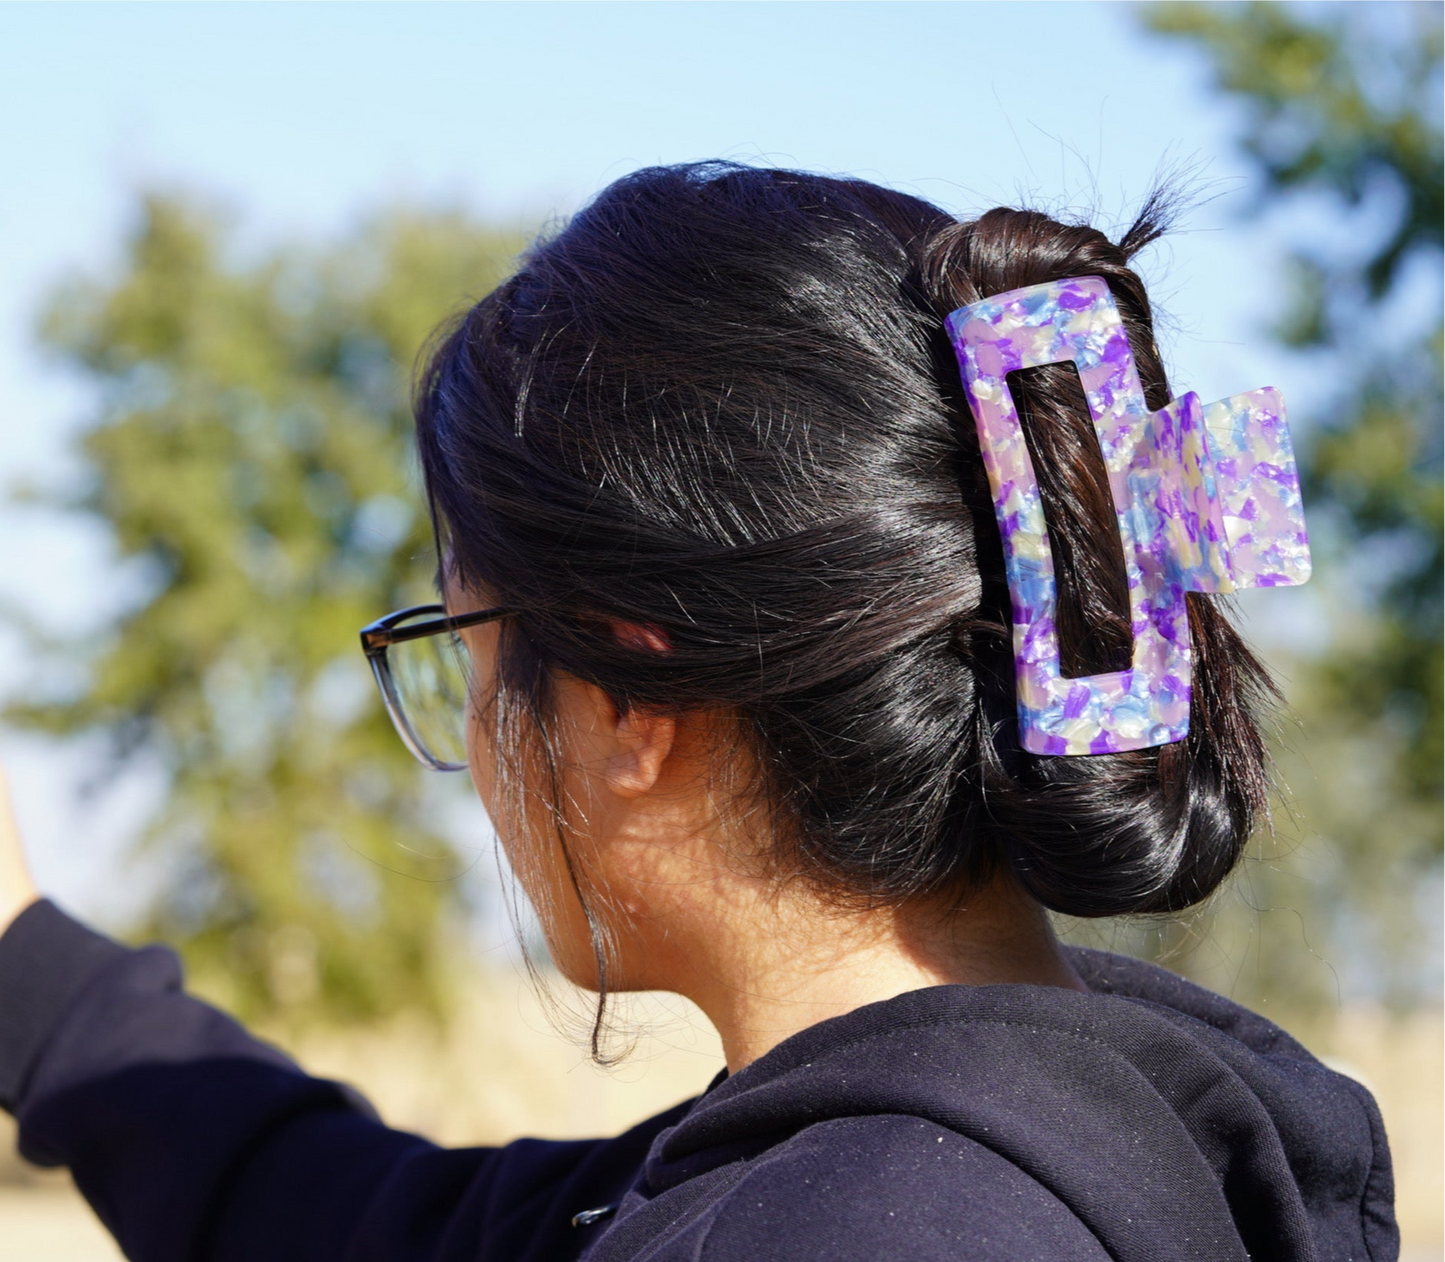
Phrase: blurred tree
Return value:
(250, 454)
(1347, 106)
(1342, 111)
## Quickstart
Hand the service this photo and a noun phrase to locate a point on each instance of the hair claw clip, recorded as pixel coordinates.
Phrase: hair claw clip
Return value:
(1207, 500)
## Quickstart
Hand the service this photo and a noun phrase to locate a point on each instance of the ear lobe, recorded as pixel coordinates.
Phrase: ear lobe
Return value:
(643, 742)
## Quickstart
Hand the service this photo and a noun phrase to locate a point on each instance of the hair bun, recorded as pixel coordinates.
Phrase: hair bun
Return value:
(1152, 830)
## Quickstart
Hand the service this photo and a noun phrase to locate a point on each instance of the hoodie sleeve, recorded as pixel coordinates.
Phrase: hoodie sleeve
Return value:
(194, 1141)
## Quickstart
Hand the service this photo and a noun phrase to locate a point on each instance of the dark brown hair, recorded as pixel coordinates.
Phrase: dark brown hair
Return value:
(721, 402)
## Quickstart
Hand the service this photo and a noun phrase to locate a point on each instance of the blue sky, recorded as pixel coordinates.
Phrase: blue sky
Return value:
(304, 117)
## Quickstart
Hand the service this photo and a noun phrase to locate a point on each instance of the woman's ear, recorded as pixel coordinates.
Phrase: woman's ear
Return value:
(624, 747)
(641, 635)
(642, 741)
(644, 738)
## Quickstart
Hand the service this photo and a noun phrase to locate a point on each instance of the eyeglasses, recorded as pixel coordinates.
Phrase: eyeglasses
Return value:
(423, 671)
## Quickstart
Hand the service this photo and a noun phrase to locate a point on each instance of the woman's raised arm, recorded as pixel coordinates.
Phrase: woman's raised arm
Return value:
(195, 1141)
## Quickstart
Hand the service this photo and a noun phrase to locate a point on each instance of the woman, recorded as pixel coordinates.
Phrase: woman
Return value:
(714, 528)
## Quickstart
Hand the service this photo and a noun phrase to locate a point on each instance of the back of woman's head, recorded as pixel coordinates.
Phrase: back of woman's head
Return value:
(721, 403)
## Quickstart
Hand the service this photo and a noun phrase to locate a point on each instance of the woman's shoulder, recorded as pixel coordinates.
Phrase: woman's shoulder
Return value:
(868, 1188)
(888, 1187)
(1124, 976)
(1131, 1118)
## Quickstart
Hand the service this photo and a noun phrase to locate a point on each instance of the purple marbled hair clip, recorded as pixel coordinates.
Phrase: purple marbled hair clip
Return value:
(1207, 500)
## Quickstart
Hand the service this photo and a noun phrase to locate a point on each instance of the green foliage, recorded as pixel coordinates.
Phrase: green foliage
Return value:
(250, 453)
(1342, 109)
(1346, 109)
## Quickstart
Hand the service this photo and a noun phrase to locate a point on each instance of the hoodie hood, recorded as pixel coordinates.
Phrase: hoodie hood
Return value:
(1172, 1122)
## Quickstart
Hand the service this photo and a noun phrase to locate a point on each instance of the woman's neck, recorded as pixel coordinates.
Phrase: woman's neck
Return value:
(766, 972)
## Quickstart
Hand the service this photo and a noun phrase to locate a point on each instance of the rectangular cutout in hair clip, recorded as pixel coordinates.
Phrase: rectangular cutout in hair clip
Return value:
(1207, 500)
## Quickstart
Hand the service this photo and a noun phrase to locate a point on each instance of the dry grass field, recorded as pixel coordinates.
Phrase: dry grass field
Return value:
(505, 1072)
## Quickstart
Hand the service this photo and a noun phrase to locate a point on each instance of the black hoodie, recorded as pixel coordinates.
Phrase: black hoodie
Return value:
(1147, 1121)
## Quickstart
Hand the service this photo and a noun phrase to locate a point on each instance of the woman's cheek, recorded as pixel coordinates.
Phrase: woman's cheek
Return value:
(528, 836)
(534, 853)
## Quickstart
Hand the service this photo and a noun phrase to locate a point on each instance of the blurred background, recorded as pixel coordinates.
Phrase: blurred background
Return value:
(225, 231)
